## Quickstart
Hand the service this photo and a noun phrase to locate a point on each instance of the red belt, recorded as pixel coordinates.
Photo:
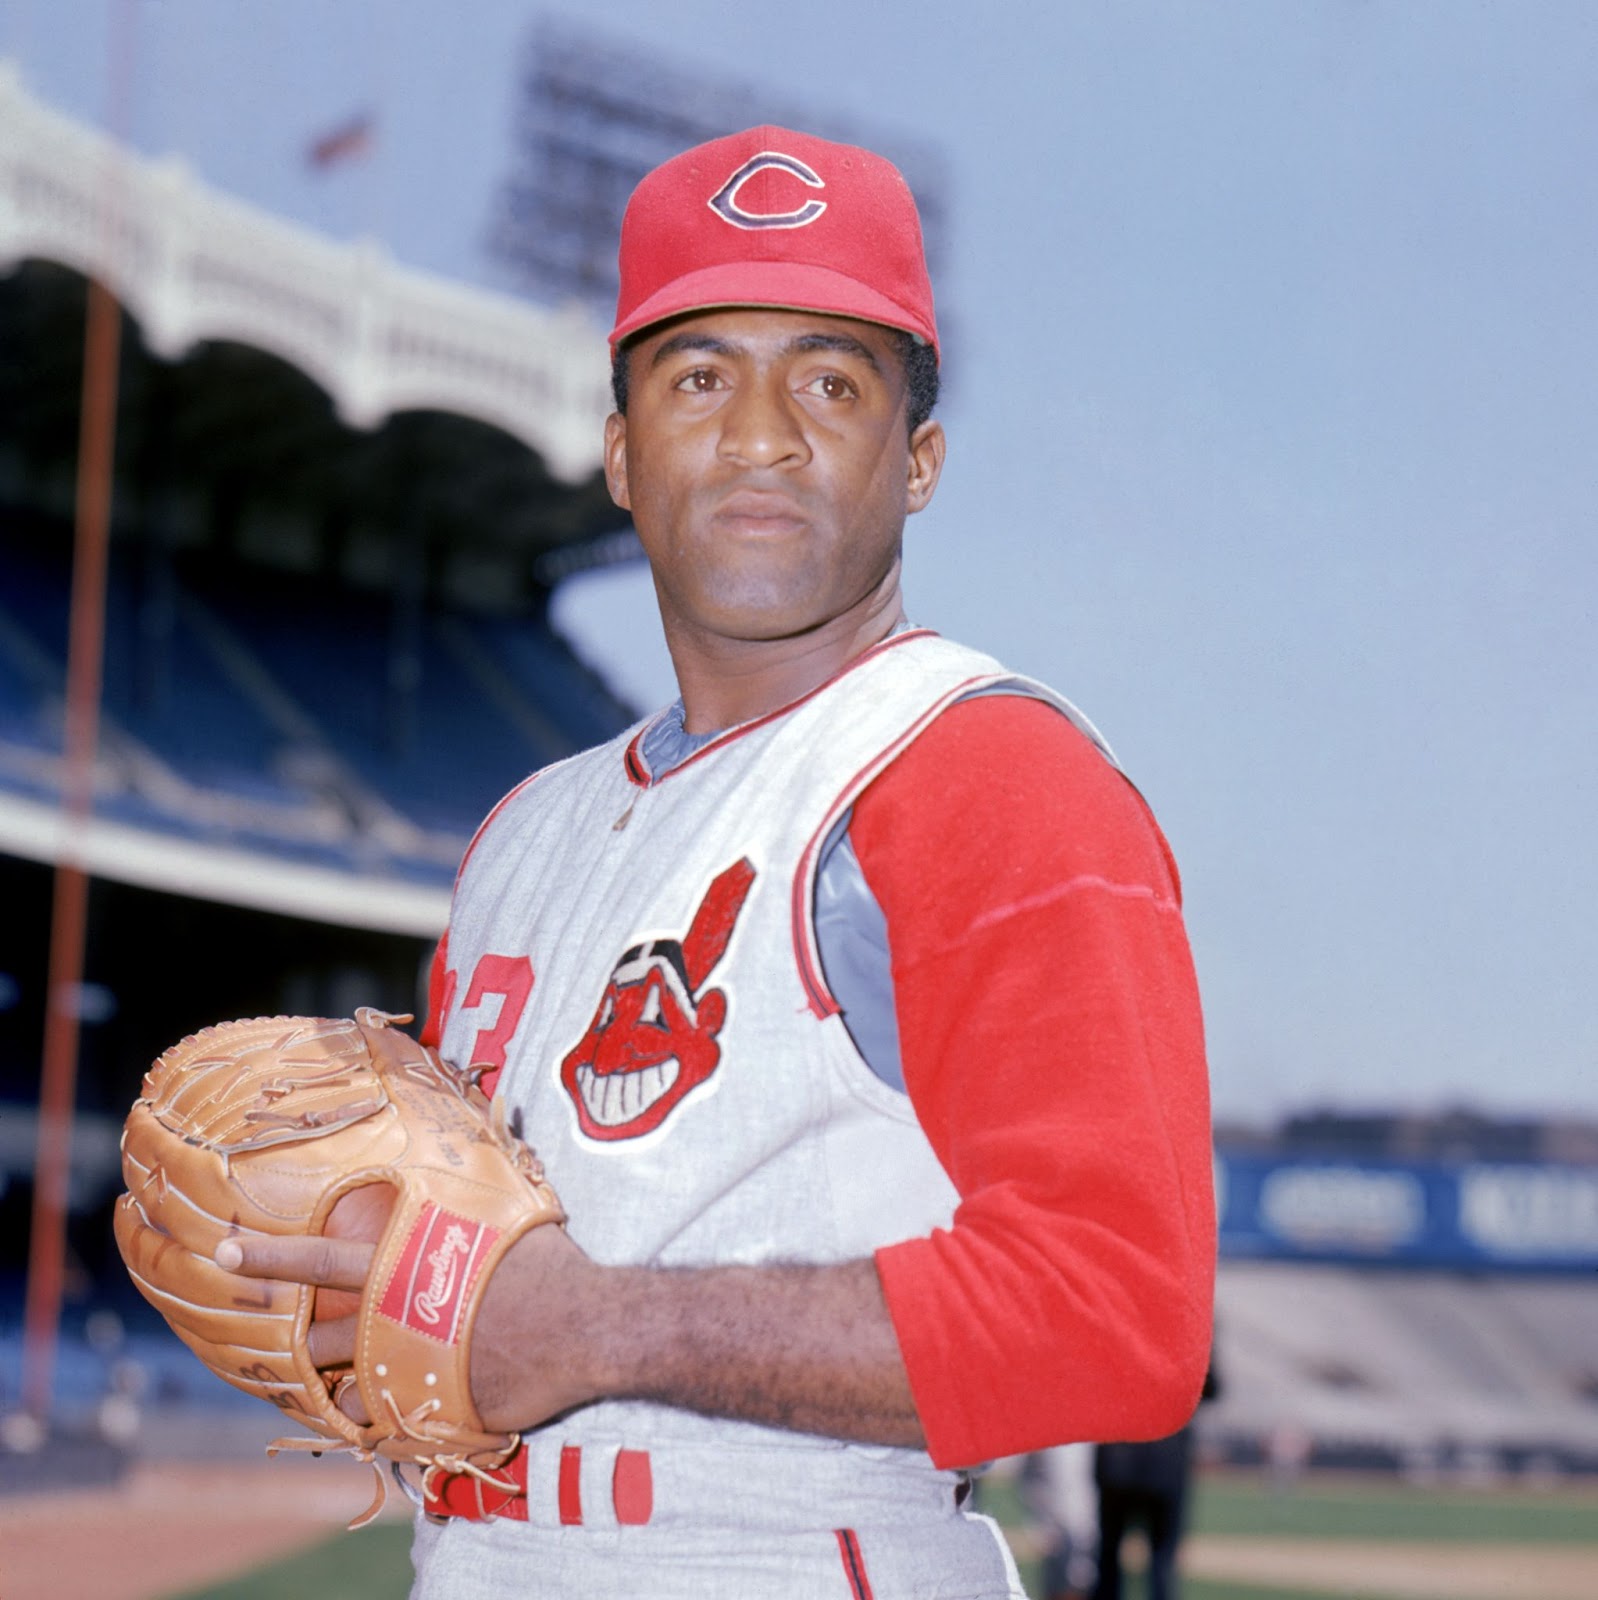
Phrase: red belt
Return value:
(632, 1490)
(632, 1494)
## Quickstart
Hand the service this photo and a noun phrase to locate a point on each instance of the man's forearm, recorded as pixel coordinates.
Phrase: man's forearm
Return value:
(805, 1347)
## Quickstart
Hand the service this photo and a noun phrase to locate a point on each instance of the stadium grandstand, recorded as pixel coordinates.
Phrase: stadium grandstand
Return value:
(343, 492)
(1408, 1293)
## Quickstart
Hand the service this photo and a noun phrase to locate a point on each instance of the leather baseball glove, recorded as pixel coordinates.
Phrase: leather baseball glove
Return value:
(262, 1126)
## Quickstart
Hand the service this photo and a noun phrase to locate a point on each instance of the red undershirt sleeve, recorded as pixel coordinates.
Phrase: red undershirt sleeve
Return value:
(1053, 1050)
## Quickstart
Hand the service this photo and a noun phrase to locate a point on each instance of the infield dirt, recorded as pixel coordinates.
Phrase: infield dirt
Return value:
(172, 1526)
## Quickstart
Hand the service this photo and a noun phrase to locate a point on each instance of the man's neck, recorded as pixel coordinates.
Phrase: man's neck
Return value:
(726, 682)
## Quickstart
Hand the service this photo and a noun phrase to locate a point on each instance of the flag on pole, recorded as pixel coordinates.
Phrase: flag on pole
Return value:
(348, 141)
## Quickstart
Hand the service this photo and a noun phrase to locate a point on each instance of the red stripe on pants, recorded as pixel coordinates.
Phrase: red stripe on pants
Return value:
(853, 1565)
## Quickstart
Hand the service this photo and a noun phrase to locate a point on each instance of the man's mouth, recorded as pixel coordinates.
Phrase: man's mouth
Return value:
(752, 511)
(615, 1098)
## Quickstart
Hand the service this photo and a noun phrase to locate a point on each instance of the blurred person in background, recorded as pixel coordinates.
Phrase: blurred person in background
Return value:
(1144, 1485)
(1062, 1500)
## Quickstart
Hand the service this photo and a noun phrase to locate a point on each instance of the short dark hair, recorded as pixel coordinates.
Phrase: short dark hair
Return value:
(920, 363)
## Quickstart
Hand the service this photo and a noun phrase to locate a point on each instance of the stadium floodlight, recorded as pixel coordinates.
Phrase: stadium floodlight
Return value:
(594, 115)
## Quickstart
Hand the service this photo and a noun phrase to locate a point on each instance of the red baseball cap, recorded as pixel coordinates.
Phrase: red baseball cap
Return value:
(771, 217)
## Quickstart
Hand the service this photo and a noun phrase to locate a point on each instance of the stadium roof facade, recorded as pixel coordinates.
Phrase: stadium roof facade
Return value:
(193, 264)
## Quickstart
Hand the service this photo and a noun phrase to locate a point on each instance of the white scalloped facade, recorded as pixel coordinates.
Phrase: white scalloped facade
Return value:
(192, 263)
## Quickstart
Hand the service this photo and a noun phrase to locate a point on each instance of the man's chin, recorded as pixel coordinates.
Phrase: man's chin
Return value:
(759, 615)
(768, 607)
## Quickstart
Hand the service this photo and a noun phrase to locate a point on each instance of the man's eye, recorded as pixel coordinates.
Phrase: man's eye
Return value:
(831, 386)
(700, 381)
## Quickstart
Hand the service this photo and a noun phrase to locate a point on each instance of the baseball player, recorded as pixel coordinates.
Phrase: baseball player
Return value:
(847, 1001)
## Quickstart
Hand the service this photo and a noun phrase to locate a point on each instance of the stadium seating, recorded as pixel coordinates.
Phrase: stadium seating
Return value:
(1393, 1367)
(278, 716)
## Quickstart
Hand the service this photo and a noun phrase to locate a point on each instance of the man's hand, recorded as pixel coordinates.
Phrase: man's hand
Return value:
(338, 1263)
(245, 1139)
(516, 1382)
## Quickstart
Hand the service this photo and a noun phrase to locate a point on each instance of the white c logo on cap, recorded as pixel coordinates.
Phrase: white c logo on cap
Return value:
(724, 202)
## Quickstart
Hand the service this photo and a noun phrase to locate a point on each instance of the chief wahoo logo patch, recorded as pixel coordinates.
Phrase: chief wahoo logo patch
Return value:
(653, 1040)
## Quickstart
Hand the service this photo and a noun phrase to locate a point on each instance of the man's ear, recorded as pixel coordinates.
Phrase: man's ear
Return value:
(616, 459)
(927, 449)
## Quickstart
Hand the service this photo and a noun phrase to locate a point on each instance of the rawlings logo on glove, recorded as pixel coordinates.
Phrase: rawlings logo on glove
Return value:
(446, 1272)
(261, 1127)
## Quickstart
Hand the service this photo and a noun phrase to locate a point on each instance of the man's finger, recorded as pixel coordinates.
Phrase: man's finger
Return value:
(332, 1343)
(347, 1397)
(331, 1263)
(353, 1407)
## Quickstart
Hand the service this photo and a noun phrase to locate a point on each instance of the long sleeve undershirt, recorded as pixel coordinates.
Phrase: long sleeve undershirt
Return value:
(1052, 1047)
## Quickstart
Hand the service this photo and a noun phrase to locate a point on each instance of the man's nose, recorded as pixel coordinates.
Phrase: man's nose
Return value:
(763, 425)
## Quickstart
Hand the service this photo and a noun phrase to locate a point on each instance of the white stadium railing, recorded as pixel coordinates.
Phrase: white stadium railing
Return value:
(192, 263)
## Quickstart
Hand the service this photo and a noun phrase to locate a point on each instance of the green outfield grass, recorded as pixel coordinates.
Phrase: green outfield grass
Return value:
(1383, 1508)
(1320, 1508)
(374, 1564)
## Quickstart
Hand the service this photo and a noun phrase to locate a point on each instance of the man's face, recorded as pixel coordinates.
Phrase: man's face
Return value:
(766, 462)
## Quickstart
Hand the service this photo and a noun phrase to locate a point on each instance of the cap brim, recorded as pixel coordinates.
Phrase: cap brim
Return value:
(780, 285)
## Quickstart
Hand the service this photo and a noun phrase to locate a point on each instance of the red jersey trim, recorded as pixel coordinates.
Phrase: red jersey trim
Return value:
(638, 772)
(806, 947)
(440, 993)
(482, 827)
(440, 979)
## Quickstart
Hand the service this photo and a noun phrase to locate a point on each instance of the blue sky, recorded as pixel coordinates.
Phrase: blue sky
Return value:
(1272, 424)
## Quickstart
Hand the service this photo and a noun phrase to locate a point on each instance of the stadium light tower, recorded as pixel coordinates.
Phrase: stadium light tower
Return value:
(594, 115)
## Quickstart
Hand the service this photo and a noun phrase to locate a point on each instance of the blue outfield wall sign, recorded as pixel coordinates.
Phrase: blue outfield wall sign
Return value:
(1523, 1215)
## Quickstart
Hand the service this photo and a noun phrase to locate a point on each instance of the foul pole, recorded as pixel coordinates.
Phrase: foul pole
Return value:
(102, 344)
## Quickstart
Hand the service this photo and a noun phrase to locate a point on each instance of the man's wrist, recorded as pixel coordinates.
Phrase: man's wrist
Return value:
(534, 1344)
